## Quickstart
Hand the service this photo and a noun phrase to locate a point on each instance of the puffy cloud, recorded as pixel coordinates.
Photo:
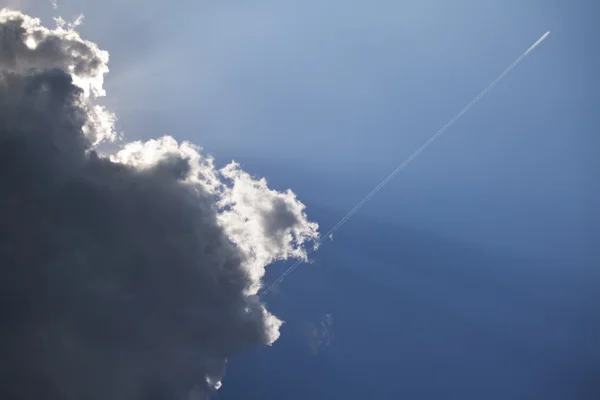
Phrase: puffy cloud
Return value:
(267, 225)
(27, 45)
(129, 276)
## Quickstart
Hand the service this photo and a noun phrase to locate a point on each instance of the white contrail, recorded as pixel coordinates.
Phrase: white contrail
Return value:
(540, 40)
(405, 163)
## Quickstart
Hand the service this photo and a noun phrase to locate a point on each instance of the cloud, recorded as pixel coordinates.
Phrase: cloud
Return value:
(267, 225)
(26, 44)
(320, 334)
(126, 276)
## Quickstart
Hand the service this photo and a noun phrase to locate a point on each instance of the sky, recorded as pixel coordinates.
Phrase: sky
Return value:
(474, 272)
(338, 96)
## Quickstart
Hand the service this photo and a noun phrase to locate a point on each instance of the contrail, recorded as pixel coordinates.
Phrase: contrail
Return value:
(405, 163)
(533, 46)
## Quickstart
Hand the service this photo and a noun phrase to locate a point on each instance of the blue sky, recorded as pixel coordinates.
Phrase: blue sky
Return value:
(327, 98)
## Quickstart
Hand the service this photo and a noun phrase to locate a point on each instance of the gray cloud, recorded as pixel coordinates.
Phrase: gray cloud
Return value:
(25, 44)
(124, 277)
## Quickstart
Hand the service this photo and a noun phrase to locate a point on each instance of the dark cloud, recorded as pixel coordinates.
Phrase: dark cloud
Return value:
(131, 277)
(109, 275)
(279, 218)
(24, 44)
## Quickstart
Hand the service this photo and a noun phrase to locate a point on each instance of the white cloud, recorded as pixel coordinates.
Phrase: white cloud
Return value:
(266, 225)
